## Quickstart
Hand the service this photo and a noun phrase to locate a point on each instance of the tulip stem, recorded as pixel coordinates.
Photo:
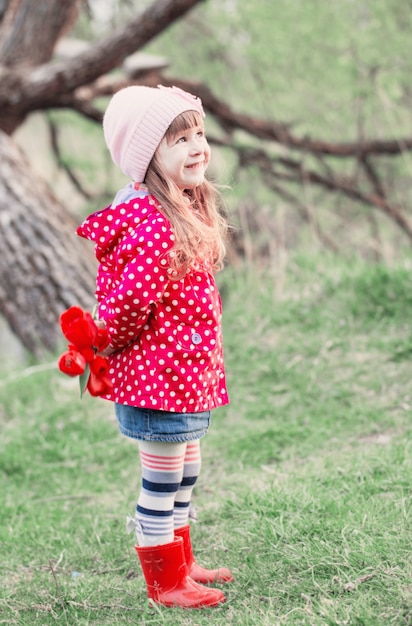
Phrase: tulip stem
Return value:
(83, 379)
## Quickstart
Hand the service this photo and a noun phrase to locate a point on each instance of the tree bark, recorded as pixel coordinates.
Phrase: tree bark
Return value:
(20, 44)
(44, 266)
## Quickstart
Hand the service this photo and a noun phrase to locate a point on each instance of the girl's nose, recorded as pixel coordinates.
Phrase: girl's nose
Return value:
(196, 146)
(195, 150)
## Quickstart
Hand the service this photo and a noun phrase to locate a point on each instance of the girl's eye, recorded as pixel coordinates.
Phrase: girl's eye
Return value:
(183, 138)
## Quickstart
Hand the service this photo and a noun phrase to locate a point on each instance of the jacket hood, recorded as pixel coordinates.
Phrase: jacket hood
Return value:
(106, 227)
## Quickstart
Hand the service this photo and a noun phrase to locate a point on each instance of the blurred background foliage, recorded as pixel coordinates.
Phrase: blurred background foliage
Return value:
(335, 71)
(321, 66)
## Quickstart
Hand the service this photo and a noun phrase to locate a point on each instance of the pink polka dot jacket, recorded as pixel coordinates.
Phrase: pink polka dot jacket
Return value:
(167, 334)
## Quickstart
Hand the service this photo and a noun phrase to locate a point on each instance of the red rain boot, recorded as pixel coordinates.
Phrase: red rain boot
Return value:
(196, 572)
(167, 581)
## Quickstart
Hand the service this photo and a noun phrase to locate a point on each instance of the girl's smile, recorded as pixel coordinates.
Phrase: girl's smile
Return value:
(185, 157)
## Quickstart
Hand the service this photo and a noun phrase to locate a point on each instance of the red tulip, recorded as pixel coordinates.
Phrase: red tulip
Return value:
(88, 354)
(86, 339)
(72, 363)
(78, 327)
(98, 385)
(99, 365)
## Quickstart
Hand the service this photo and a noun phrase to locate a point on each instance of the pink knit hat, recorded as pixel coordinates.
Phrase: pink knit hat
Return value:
(136, 120)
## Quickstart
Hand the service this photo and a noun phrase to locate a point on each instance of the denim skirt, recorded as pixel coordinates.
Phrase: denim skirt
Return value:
(154, 425)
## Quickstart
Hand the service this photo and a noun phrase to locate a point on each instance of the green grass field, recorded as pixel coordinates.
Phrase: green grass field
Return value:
(305, 491)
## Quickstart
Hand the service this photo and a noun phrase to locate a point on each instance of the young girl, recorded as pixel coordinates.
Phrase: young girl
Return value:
(158, 246)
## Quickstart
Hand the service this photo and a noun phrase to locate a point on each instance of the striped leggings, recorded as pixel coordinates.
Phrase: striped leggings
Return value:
(169, 473)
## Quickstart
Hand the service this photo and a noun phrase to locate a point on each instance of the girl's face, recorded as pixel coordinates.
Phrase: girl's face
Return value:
(184, 157)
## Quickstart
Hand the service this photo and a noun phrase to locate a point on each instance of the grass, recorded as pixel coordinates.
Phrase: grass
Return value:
(305, 491)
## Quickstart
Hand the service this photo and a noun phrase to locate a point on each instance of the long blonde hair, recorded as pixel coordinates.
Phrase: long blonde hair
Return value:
(198, 220)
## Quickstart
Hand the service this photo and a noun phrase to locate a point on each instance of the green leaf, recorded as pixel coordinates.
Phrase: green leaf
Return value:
(83, 378)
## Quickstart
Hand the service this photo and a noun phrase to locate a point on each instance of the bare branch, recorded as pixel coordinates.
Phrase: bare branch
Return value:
(296, 172)
(54, 140)
(373, 176)
(21, 92)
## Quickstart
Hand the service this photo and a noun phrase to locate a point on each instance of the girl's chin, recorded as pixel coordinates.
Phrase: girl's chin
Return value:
(195, 182)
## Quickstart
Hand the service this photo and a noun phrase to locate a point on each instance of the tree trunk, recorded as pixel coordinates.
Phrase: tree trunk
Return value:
(44, 266)
(20, 43)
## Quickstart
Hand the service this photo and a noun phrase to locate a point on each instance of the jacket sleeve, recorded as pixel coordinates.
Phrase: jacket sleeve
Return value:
(141, 280)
